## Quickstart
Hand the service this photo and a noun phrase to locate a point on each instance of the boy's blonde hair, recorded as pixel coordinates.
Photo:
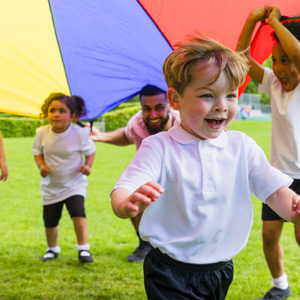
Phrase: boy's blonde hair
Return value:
(199, 53)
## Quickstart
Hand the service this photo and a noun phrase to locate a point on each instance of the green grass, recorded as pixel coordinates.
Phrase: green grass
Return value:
(24, 276)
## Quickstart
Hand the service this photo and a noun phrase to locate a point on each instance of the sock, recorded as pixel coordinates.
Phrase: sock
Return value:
(55, 249)
(281, 282)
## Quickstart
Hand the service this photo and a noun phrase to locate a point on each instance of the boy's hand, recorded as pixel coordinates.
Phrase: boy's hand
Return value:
(44, 170)
(296, 209)
(142, 198)
(4, 173)
(85, 169)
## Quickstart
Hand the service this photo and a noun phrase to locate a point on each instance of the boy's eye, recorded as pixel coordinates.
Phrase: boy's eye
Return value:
(232, 96)
(206, 96)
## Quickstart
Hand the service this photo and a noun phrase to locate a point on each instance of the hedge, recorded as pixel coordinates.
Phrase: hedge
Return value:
(119, 118)
(19, 127)
(25, 127)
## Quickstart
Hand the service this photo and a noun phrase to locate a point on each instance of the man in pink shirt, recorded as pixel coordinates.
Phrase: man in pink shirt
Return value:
(155, 116)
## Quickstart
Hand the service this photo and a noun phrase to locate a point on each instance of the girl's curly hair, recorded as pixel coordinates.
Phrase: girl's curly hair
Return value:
(75, 104)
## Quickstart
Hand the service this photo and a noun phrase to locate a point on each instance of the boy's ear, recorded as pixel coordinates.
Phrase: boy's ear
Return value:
(173, 98)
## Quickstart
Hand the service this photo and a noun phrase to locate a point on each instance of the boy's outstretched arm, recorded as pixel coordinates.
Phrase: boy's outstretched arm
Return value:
(286, 203)
(288, 41)
(256, 71)
(128, 205)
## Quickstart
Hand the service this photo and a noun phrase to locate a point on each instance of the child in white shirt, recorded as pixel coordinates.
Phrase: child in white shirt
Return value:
(59, 150)
(193, 182)
(282, 84)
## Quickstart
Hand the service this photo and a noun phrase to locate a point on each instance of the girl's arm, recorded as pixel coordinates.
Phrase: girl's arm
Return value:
(86, 168)
(256, 70)
(3, 167)
(44, 169)
(128, 205)
(286, 203)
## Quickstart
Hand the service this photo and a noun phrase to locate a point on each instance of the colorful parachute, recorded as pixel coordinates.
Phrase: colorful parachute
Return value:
(104, 51)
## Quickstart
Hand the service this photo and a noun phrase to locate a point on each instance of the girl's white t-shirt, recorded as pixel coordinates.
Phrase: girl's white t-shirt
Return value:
(64, 155)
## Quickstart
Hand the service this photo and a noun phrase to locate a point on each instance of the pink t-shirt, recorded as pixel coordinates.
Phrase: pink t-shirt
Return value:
(136, 129)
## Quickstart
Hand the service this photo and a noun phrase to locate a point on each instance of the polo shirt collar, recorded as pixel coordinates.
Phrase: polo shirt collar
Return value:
(183, 137)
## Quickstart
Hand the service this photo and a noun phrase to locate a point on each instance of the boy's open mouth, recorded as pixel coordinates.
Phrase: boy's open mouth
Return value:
(215, 123)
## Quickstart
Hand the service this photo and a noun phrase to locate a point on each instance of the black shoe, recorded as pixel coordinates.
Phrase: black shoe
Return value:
(49, 255)
(140, 253)
(85, 256)
(277, 294)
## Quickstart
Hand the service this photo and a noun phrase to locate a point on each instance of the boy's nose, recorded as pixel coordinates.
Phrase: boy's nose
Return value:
(221, 105)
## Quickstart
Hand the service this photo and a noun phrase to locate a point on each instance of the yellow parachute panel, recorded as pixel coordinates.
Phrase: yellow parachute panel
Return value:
(29, 56)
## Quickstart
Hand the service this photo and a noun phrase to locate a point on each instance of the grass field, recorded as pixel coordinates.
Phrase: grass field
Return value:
(24, 276)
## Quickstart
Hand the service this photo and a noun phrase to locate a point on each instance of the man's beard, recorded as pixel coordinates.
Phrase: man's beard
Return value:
(155, 130)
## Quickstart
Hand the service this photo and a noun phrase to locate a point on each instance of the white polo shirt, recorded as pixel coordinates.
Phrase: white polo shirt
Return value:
(285, 140)
(205, 214)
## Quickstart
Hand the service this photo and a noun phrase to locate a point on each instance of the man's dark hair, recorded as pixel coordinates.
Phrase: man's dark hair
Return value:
(293, 27)
(151, 90)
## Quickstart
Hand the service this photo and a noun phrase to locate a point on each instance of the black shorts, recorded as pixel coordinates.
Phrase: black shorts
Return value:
(52, 212)
(270, 215)
(166, 278)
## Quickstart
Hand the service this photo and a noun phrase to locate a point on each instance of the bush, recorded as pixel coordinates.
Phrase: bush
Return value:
(119, 118)
(19, 127)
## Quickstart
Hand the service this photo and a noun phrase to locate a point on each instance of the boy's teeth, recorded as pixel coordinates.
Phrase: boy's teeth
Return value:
(215, 121)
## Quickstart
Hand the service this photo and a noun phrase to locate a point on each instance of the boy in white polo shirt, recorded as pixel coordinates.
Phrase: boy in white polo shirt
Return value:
(193, 182)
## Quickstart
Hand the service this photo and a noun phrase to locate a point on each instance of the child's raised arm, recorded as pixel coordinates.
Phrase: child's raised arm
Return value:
(3, 167)
(286, 204)
(128, 205)
(256, 71)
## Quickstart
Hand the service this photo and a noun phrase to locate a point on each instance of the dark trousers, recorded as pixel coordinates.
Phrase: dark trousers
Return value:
(169, 279)
(270, 215)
